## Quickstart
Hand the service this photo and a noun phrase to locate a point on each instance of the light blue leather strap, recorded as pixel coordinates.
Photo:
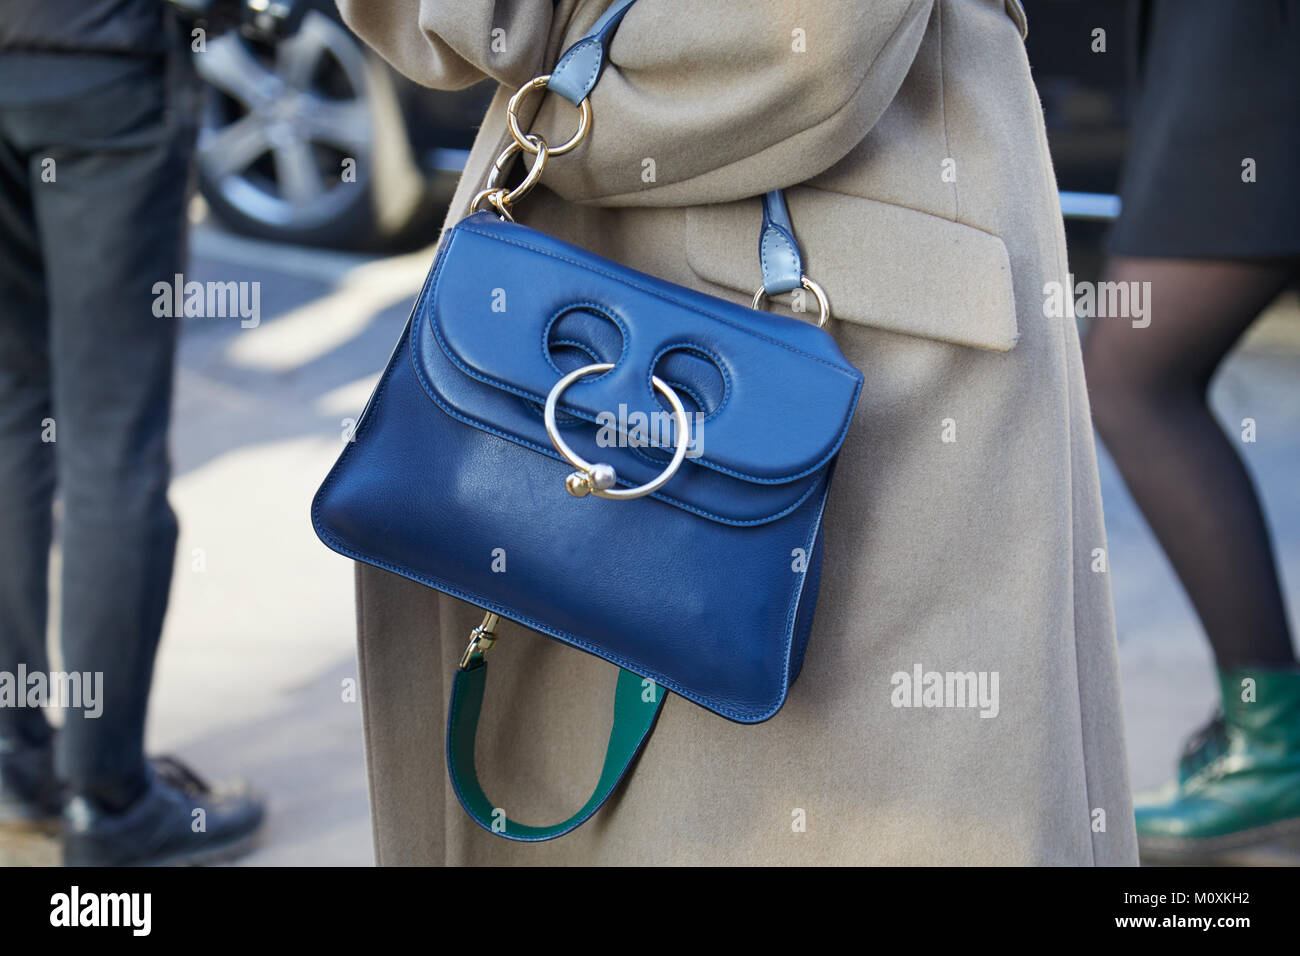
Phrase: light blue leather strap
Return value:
(778, 253)
(575, 76)
(579, 68)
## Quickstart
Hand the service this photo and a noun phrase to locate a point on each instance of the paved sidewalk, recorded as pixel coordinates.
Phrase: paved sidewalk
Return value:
(258, 671)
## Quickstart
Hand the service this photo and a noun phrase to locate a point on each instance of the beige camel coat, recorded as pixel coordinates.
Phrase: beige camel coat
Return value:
(964, 530)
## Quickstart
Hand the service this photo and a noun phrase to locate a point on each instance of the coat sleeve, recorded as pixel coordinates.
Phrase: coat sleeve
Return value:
(452, 44)
(701, 101)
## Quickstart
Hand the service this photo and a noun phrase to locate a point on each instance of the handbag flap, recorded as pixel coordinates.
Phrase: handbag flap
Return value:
(509, 307)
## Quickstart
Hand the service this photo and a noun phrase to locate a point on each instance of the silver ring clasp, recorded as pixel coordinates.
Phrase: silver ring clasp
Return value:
(823, 304)
(599, 479)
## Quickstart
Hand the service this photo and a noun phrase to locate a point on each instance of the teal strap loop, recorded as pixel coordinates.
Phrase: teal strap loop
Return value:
(637, 702)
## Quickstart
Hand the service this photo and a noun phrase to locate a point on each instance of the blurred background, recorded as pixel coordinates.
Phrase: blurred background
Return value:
(257, 674)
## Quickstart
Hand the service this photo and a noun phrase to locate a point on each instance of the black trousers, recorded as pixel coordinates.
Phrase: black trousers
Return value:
(93, 192)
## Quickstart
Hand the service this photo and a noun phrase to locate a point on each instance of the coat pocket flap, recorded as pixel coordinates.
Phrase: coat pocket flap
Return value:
(881, 264)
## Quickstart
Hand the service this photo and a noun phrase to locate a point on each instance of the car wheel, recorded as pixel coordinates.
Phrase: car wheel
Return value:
(304, 141)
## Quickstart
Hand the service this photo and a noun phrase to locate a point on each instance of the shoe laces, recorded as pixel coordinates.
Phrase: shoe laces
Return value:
(1204, 746)
(176, 774)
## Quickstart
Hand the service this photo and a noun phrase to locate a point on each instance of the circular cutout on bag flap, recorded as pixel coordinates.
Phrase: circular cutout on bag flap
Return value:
(581, 335)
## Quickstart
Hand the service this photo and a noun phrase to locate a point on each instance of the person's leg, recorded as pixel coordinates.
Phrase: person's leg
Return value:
(1148, 388)
(112, 224)
(26, 486)
(1237, 792)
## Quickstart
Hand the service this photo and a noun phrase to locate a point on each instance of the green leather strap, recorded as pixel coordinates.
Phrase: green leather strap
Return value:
(637, 702)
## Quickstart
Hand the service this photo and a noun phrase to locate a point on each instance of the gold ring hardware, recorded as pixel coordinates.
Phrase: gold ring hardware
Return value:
(481, 639)
(522, 138)
(493, 197)
(533, 176)
(823, 304)
(599, 479)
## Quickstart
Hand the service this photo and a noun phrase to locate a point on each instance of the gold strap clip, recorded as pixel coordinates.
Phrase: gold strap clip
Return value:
(481, 639)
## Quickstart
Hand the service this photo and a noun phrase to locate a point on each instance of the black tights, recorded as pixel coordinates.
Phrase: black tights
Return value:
(1148, 388)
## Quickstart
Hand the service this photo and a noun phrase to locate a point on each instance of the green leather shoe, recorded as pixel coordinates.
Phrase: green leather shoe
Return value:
(1241, 801)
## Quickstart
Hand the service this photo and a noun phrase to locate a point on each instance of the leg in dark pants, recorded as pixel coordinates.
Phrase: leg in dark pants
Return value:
(27, 469)
(90, 353)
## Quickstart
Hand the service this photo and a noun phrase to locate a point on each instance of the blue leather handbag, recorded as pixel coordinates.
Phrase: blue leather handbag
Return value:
(653, 460)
